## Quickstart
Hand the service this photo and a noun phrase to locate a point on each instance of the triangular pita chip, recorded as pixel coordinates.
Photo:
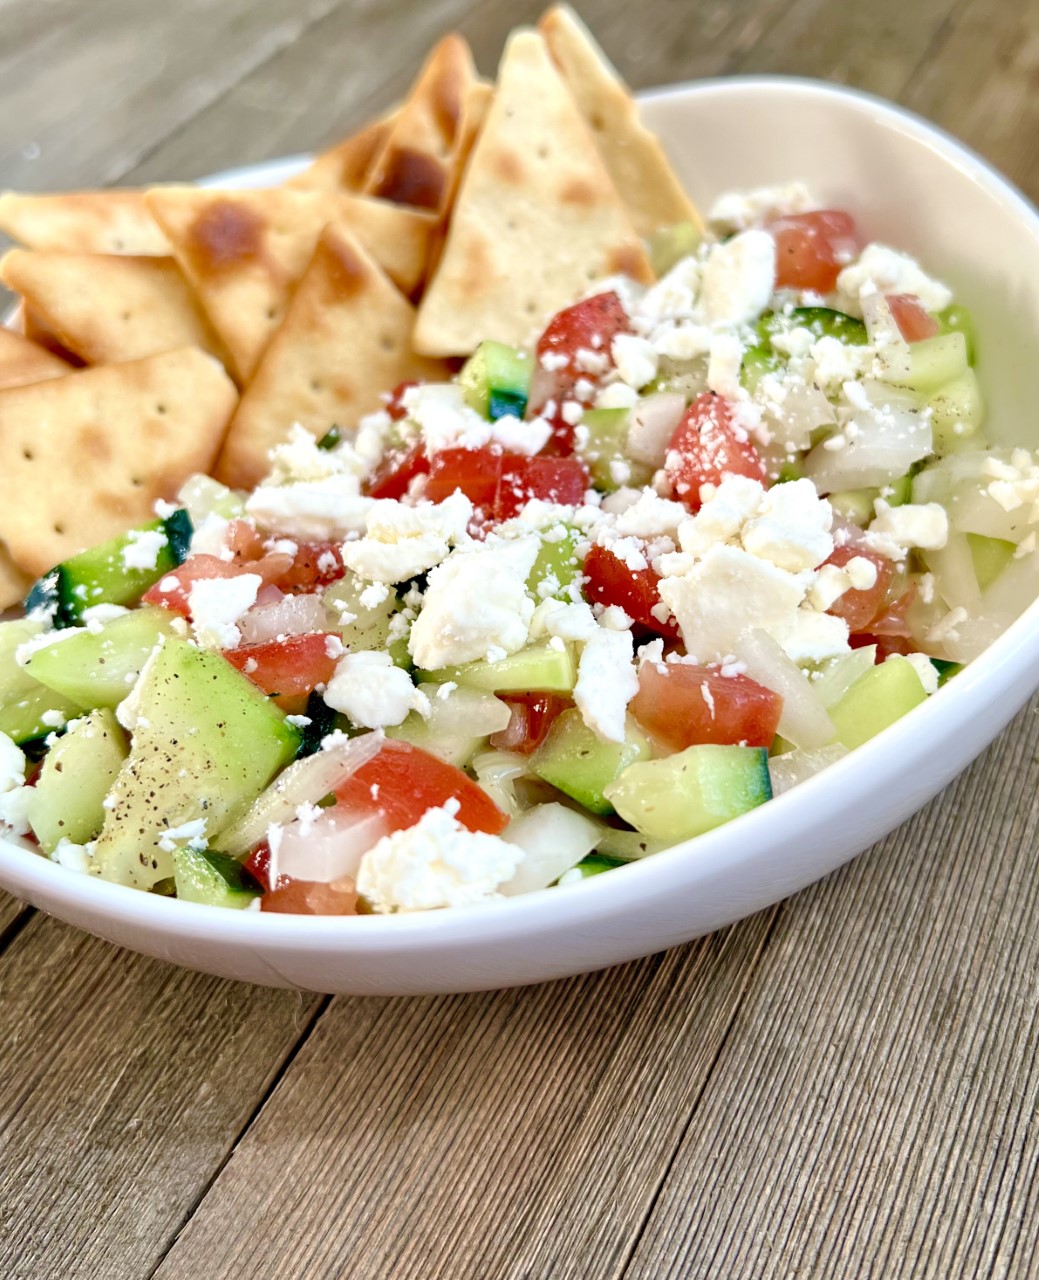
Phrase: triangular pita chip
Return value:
(398, 238)
(345, 340)
(85, 456)
(22, 361)
(418, 162)
(14, 584)
(537, 218)
(345, 167)
(38, 332)
(106, 308)
(82, 222)
(244, 252)
(637, 162)
(478, 101)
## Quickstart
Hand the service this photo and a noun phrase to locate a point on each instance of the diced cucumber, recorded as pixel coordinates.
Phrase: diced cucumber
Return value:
(821, 322)
(957, 319)
(670, 245)
(602, 450)
(106, 574)
(556, 566)
(581, 765)
(957, 412)
(694, 791)
(364, 626)
(98, 669)
(934, 362)
(496, 380)
(28, 709)
(323, 720)
(214, 879)
(203, 496)
(456, 727)
(537, 669)
(877, 699)
(855, 504)
(990, 555)
(757, 362)
(206, 743)
(77, 773)
(946, 670)
(596, 863)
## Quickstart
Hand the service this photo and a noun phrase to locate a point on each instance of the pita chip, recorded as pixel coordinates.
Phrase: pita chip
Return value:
(634, 156)
(537, 218)
(14, 584)
(106, 308)
(22, 361)
(344, 342)
(345, 167)
(418, 163)
(36, 330)
(85, 456)
(477, 104)
(82, 222)
(398, 238)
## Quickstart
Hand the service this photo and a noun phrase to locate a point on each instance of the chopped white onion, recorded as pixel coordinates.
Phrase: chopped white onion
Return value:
(955, 578)
(804, 721)
(497, 772)
(328, 847)
(289, 616)
(839, 674)
(878, 446)
(305, 782)
(464, 713)
(804, 408)
(792, 767)
(652, 424)
(554, 839)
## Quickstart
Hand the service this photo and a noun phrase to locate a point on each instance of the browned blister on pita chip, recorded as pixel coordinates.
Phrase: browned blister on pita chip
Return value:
(417, 164)
(537, 218)
(345, 167)
(14, 584)
(107, 308)
(82, 222)
(345, 341)
(634, 156)
(22, 361)
(86, 456)
(477, 104)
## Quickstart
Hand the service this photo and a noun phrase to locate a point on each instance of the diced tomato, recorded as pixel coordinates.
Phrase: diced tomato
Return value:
(683, 705)
(171, 591)
(288, 670)
(914, 323)
(706, 446)
(312, 897)
(316, 564)
(396, 470)
(476, 472)
(636, 591)
(403, 781)
(532, 717)
(859, 608)
(258, 864)
(562, 480)
(812, 248)
(590, 325)
(395, 401)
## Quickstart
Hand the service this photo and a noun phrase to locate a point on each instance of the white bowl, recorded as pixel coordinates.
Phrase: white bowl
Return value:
(907, 182)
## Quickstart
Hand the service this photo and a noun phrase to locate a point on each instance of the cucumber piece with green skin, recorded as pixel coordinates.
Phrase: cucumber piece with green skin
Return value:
(98, 668)
(28, 709)
(556, 566)
(214, 879)
(596, 863)
(946, 670)
(958, 319)
(78, 771)
(601, 447)
(757, 362)
(323, 721)
(876, 700)
(670, 245)
(496, 380)
(364, 626)
(990, 556)
(537, 669)
(693, 791)
(106, 574)
(933, 362)
(821, 322)
(957, 412)
(205, 744)
(575, 761)
(855, 504)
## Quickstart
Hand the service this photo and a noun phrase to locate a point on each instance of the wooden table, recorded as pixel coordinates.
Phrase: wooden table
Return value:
(843, 1086)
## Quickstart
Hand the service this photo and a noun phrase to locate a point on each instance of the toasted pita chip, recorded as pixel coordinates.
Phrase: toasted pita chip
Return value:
(344, 341)
(418, 163)
(244, 251)
(14, 584)
(38, 332)
(82, 222)
(398, 238)
(536, 220)
(637, 162)
(477, 103)
(106, 308)
(345, 167)
(87, 455)
(22, 361)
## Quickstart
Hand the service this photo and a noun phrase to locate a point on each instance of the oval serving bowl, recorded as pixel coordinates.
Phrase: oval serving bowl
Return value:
(907, 183)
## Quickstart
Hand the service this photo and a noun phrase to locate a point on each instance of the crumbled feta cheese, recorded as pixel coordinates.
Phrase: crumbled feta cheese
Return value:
(649, 516)
(606, 682)
(515, 436)
(374, 595)
(791, 527)
(681, 340)
(862, 573)
(879, 268)
(837, 363)
(191, 835)
(925, 669)
(617, 395)
(738, 210)
(14, 810)
(723, 367)
(436, 863)
(12, 764)
(895, 529)
(216, 605)
(299, 459)
(53, 719)
(73, 857)
(374, 693)
(673, 297)
(738, 278)
(831, 582)
(635, 359)
(210, 538)
(722, 515)
(142, 549)
(568, 621)
(402, 541)
(311, 510)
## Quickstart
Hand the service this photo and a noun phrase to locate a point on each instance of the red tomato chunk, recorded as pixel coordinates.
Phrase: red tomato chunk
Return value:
(171, 591)
(287, 670)
(312, 898)
(402, 782)
(859, 608)
(636, 591)
(914, 323)
(394, 474)
(707, 445)
(812, 248)
(532, 717)
(684, 705)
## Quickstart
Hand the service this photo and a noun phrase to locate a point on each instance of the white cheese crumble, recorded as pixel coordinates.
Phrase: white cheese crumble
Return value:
(143, 548)
(190, 834)
(12, 764)
(791, 527)
(738, 210)
(723, 366)
(925, 669)
(14, 810)
(606, 682)
(372, 691)
(635, 360)
(401, 541)
(896, 529)
(312, 510)
(738, 278)
(436, 863)
(885, 270)
(217, 604)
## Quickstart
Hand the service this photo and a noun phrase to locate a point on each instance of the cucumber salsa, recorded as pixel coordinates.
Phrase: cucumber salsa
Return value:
(588, 600)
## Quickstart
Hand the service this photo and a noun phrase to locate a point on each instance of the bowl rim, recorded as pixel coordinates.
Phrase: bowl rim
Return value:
(1004, 663)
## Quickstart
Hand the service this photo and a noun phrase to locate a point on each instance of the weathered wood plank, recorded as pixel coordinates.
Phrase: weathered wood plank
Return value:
(11, 910)
(477, 1130)
(123, 1085)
